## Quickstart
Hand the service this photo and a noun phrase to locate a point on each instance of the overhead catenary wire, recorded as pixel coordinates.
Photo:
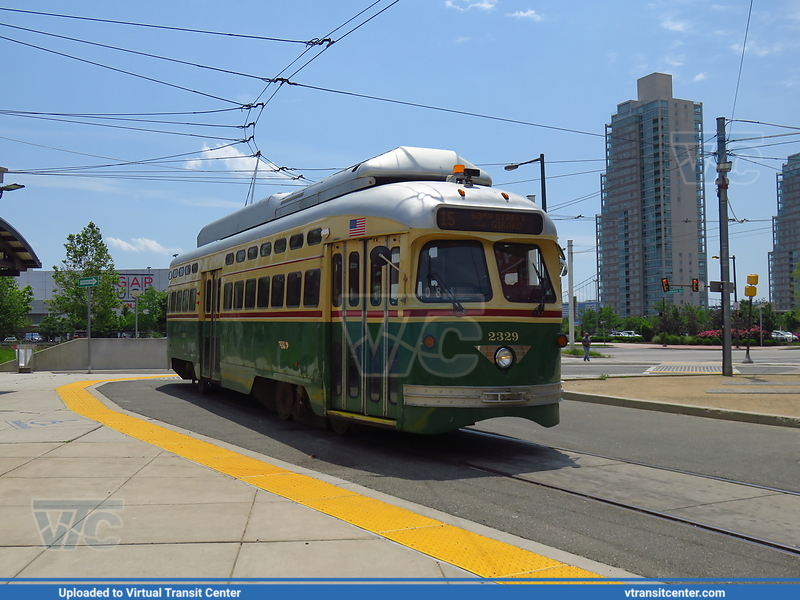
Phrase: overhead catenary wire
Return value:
(312, 42)
(590, 133)
(122, 71)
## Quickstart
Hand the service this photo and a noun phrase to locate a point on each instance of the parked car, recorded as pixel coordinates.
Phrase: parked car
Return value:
(782, 336)
(10, 338)
(629, 334)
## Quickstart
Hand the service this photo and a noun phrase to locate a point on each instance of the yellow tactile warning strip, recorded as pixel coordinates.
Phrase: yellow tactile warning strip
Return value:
(472, 552)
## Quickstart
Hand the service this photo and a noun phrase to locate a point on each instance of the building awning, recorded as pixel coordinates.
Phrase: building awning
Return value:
(16, 254)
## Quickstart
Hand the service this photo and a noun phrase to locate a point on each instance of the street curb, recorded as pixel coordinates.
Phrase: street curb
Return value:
(685, 409)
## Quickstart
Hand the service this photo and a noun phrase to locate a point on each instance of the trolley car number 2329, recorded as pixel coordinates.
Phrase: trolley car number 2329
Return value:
(503, 336)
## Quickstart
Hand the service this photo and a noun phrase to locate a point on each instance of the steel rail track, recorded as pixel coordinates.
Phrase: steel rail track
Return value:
(793, 550)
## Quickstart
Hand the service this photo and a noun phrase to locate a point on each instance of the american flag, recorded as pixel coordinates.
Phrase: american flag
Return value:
(358, 226)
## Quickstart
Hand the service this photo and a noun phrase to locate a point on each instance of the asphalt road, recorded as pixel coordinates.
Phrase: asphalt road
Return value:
(635, 359)
(435, 471)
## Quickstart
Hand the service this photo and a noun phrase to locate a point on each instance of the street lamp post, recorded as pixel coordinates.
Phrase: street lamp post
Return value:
(540, 160)
(136, 294)
(10, 187)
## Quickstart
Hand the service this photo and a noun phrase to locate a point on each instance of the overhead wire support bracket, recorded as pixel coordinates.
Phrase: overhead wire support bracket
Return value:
(320, 42)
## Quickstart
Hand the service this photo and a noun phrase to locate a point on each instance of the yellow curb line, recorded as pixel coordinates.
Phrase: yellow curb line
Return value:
(478, 554)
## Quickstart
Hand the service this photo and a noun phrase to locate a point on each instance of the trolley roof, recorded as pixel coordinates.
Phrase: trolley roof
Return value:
(401, 164)
(412, 202)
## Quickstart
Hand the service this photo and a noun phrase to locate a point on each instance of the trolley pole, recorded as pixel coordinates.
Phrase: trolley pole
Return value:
(723, 168)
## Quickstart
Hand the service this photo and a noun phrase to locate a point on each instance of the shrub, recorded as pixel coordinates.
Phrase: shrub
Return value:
(716, 341)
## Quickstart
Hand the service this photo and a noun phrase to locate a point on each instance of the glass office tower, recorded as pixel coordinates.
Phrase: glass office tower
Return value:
(652, 220)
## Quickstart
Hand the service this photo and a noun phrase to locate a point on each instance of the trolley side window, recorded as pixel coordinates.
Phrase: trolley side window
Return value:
(207, 299)
(278, 285)
(263, 292)
(523, 274)
(453, 271)
(376, 282)
(311, 288)
(293, 286)
(314, 236)
(238, 295)
(227, 296)
(353, 277)
(394, 277)
(250, 293)
(337, 276)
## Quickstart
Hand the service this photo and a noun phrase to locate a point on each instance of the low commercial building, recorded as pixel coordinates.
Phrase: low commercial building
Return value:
(130, 280)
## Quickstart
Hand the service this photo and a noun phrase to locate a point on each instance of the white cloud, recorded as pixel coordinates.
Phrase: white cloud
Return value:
(758, 49)
(528, 14)
(675, 60)
(466, 5)
(141, 245)
(231, 159)
(670, 24)
(700, 77)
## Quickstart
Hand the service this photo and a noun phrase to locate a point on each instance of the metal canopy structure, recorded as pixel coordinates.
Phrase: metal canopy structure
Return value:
(16, 254)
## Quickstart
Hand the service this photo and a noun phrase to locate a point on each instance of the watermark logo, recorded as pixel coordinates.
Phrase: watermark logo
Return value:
(66, 524)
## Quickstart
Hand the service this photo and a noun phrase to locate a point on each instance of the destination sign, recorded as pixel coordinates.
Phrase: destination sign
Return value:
(495, 221)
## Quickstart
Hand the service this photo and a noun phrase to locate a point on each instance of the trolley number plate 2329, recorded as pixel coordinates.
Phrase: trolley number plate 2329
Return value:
(503, 336)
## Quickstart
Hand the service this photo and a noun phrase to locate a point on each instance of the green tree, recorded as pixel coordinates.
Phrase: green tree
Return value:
(153, 311)
(53, 326)
(87, 256)
(588, 321)
(796, 278)
(693, 319)
(770, 319)
(669, 318)
(15, 304)
(791, 320)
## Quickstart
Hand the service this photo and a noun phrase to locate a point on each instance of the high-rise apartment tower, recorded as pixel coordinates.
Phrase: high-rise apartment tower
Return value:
(785, 255)
(651, 224)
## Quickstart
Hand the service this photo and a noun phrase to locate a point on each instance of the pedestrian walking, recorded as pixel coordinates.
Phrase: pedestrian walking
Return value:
(587, 343)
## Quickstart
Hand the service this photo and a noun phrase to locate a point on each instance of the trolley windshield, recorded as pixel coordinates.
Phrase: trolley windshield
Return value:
(453, 271)
(523, 274)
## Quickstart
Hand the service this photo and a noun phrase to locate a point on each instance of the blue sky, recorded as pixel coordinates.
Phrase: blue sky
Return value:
(558, 69)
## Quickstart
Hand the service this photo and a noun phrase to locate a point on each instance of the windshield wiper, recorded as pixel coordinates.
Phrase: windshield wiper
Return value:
(433, 276)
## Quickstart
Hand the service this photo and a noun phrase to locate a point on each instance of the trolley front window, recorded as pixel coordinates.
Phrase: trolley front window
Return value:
(523, 274)
(453, 271)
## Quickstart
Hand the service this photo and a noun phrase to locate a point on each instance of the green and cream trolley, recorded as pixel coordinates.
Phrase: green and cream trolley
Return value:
(404, 292)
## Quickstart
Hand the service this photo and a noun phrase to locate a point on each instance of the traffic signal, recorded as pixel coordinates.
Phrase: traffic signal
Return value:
(665, 284)
(695, 285)
(750, 289)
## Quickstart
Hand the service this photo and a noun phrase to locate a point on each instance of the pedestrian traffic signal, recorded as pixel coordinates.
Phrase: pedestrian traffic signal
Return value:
(695, 285)
(665, 284)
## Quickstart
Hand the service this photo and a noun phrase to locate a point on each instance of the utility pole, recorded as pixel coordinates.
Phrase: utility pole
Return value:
(723, 168)
(571, 298)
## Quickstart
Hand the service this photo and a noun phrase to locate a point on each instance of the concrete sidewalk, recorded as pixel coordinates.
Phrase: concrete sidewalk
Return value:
(94, 492)
(765, 399)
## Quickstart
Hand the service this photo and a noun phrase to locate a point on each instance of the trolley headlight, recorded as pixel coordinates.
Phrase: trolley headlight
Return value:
(503, 358)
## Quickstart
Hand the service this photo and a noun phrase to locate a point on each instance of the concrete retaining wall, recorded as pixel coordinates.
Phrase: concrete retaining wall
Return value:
(107, 354)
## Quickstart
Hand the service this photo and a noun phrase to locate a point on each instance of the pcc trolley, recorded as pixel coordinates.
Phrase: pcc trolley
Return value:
(404, 292)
